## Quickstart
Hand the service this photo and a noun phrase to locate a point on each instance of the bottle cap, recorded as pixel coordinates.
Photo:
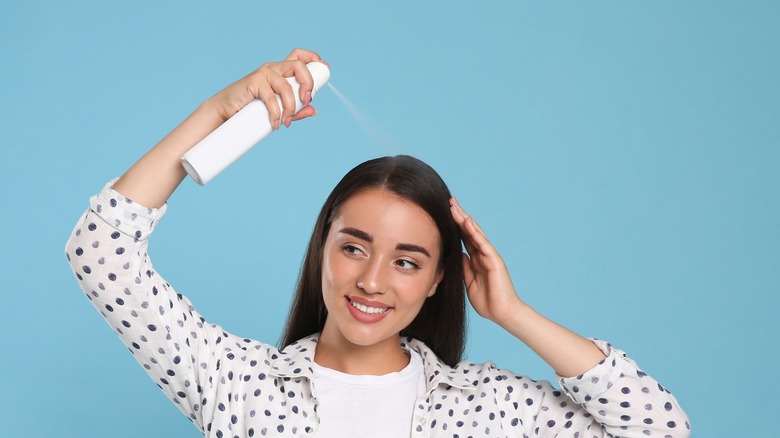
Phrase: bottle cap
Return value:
(320, 73)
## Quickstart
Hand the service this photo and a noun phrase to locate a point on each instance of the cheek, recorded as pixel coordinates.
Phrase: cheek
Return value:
(336, 271)
(327, 276)
(326, 269)
(415, 290)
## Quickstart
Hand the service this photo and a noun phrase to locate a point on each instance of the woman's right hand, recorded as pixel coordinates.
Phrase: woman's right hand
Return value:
(268, 81)
(152, 180)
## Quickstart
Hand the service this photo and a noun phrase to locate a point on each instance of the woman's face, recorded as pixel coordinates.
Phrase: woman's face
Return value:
(379, 266)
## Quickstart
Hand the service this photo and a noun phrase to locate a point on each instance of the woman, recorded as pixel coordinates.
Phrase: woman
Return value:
(375, 336)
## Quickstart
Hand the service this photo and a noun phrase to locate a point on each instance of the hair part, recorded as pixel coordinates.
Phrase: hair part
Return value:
(441, 322)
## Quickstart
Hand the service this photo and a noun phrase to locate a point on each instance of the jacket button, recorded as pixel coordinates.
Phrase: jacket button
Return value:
(422, 421)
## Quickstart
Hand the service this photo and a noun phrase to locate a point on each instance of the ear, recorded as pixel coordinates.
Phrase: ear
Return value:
(437, 280)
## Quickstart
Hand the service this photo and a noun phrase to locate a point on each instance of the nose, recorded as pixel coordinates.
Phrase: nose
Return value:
(373, 279)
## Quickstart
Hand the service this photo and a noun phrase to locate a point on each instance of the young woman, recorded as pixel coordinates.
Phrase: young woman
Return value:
(374, 340)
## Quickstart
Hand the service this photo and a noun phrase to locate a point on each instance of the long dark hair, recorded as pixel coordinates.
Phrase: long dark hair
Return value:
(441, 323)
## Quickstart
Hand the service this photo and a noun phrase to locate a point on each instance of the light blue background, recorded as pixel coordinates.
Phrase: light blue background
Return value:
(622, 155)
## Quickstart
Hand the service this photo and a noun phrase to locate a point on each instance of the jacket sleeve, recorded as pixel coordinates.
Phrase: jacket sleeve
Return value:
(178, 349)
(613, 399)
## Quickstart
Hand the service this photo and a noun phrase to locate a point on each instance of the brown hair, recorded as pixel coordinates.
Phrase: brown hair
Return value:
(441, 323)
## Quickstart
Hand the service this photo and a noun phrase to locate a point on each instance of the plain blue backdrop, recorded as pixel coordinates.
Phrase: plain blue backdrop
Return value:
(622, 156)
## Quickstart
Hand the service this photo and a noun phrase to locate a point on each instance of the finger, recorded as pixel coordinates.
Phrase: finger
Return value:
(474, 238)
(468, 271)
(267, 95)
(485, 254)
(305, 112)
(306, 56)
(281, 87)
(460, 219)
(478, 239)
(457, 213)
(477, 227)
(466, 216)
(304, 78)
(456, 205)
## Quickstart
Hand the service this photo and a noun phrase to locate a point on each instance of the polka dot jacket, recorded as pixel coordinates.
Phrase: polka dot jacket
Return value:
(234, 387)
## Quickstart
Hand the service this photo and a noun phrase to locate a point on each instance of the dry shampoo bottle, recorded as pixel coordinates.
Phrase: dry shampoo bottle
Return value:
(241, 132)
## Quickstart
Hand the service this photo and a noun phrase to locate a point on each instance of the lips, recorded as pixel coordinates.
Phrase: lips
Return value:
(367, 311)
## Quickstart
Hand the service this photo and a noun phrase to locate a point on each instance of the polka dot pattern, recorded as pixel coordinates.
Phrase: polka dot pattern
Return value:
(234, 387)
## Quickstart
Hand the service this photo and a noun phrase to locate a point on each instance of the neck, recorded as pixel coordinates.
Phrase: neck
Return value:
(378, 359)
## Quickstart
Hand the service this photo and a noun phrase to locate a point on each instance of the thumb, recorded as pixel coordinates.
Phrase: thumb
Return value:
(468, 271)
(305, 112)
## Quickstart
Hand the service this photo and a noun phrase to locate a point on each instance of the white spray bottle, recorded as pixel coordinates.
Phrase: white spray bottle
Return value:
(241, 132)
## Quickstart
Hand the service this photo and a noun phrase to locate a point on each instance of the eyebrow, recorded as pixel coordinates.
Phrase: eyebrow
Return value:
(412, 248)
(362, 235)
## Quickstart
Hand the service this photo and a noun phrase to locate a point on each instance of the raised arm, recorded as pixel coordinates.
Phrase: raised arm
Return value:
(493, 296)
(152, 180)
(612, 396)
(184, 355)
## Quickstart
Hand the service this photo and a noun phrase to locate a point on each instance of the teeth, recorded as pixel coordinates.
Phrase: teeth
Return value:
(366, 309)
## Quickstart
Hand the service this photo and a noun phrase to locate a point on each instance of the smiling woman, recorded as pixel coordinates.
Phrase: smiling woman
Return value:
(375, 336)
(388, 225)
(374, 285)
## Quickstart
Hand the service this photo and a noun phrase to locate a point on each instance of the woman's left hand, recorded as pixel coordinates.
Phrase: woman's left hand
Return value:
(493, 296)
(488, 285)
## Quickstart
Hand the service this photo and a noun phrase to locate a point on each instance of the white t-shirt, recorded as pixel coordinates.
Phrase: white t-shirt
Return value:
(361, 406)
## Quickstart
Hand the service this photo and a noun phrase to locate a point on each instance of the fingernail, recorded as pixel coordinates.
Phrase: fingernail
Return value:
(287, 121)
(457, 212)
(276, 125)
(307, 97)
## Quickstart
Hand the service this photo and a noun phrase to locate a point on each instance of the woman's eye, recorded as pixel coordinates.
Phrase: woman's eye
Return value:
(407, 264)
(351, 249)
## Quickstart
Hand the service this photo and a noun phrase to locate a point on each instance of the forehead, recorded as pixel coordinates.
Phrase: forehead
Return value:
(386, 216)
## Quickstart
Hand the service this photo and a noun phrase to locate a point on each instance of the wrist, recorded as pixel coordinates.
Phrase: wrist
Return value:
(209, 110)
(518, 314)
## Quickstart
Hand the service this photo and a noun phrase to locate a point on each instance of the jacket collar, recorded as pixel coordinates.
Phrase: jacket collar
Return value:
(437, 372)
(296, 361)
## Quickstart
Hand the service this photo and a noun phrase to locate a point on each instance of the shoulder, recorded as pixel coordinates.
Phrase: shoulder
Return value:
(472, 376)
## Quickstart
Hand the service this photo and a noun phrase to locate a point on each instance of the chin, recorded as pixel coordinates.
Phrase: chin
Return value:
(366, 337)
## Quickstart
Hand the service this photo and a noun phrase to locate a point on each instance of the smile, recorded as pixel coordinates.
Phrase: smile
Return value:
(367, 309)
